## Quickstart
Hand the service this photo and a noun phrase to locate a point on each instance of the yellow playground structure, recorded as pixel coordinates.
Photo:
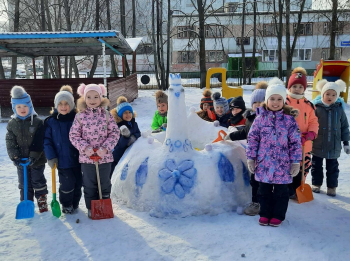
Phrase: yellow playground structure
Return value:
(227, 92)
(332, 71)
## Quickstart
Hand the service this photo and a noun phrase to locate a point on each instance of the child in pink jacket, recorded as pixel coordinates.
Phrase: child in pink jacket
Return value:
(94, 128)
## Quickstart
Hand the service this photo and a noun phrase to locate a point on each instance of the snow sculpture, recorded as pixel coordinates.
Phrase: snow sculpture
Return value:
(180, 172)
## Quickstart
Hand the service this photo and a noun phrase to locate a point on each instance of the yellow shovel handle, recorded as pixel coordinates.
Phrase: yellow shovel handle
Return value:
(53, 173)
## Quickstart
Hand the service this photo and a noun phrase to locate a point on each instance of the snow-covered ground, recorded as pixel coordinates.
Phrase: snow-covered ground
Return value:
(319, 230)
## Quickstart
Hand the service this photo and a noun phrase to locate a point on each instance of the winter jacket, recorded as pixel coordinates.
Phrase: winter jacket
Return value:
(242, 134)
(93, 130)
(233, 123)
(56, 141)
(24, 139)
(223, 120)
(158, 120)
(307, 120)
(334, 128)
(123, 142)
(274, 142)
(204, 115)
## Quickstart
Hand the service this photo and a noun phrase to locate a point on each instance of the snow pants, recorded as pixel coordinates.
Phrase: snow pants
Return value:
(90, 182)
(71, 181)
(297, 179)
(36, 182)
(273, 199)
(255, 187)
(332, 172)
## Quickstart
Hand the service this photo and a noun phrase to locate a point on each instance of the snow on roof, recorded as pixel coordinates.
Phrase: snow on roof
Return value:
(134, 42)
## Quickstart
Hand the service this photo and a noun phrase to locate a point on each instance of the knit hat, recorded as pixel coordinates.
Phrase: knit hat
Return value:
(220, 101)
(161, 97)
(323, 86)
(276, 86)
(20, 96)
(99, 88)
(298, 76)
(65, 94)
(207, 99)
(237, 102)
(258, 94)
(122, 106)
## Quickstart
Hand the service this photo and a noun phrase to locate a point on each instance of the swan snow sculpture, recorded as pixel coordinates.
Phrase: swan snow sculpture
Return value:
(169, 178)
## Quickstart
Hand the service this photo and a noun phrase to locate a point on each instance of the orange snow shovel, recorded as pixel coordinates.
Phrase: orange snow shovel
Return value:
(221, 136)
(304, 192)
(102, 208)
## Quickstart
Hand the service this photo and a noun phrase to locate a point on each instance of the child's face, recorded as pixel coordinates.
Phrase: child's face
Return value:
(22, 110)
(297, 88)
(256, 105)
(236, 111)
(329, 97)
(206, 106)
(162, 107)
(275, 102)
(219, 110)
(63, 107)
(127, 115)
(93, 99)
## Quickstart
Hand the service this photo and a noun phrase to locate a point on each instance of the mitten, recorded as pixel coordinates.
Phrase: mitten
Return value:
(227, 137)
(251, 165)
(131, 140)
(89, 151)
(125, 131)
(101, 152)
(346, 149)
(52, 162)
(160, 129)
(17, 162)
(305, 136)
(164, 126)
(31, 161)
(294, 169)
(216, 123)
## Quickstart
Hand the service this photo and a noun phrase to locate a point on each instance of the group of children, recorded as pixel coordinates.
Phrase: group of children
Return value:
(279, 124)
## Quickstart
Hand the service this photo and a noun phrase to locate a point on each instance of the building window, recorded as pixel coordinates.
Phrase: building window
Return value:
(304, 29)
(325, 54)
(246, 40)
(327, 27)
(187, 57)
(302, 55)
(185, 32)
(212, 31)
(214, 56)
(270, 55)
(269, 30)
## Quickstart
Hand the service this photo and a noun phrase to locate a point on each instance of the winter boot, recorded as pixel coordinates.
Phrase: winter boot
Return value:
(263, 221)
(89, 213)
(294, 196)
(252, 209)
(42, 203)
(274, 222)
(331, 192)
(68, 210)
(316, 188)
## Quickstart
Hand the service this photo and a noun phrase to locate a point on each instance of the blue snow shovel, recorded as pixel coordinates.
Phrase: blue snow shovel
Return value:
(25, 209)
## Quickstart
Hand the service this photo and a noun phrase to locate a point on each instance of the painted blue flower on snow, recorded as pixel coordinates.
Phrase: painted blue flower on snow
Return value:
(179, 179)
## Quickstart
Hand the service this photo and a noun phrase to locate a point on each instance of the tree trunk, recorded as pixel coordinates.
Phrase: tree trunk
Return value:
(333, 30)
(66, 75)
(154, 43)
(97, 27)
(109, 26)
(133, 18)
(201, 38)
(15, 29)
(244, 69)
(160, 43)
(2, 73)
(252, 68)
(168, 47)
(279, 28)
(122, 18)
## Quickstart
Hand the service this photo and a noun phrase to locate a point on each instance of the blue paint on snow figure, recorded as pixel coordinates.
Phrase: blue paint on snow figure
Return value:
(179, 179)
(124, 171)
(246, 176)
(141, 173)
(226, 170)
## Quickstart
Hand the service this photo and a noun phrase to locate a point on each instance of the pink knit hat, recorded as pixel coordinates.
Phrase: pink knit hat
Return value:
(99, 88)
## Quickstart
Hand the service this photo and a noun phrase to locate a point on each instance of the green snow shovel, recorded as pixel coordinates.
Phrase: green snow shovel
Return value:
(55, 206)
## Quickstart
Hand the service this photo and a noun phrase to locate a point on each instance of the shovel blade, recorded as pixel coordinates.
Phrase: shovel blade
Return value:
(56, 209)
(304, 194)
(101, 209)
(25, 209)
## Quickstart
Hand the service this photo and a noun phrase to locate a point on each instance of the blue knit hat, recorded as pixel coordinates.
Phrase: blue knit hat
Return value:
(257, 96)
(122, 106)
(20, 96)
(220, 101)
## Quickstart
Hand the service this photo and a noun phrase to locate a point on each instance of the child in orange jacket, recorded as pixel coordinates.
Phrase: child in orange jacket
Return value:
(307, 120)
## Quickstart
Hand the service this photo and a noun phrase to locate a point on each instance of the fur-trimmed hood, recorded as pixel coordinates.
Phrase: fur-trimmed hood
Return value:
(81, 104)
(288, 110)
(117, 119)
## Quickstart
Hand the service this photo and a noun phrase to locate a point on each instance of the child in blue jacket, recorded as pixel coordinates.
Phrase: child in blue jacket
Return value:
(124, 116)
(60, 152)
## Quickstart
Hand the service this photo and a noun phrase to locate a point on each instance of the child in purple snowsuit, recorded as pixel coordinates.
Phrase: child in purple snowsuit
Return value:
(274, 153)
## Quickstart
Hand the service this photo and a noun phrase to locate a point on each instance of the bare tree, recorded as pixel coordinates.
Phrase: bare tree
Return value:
(15, 29)
(111, 57)
(242, 43)
(97, 27)
(333, 31)
(279, 31)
